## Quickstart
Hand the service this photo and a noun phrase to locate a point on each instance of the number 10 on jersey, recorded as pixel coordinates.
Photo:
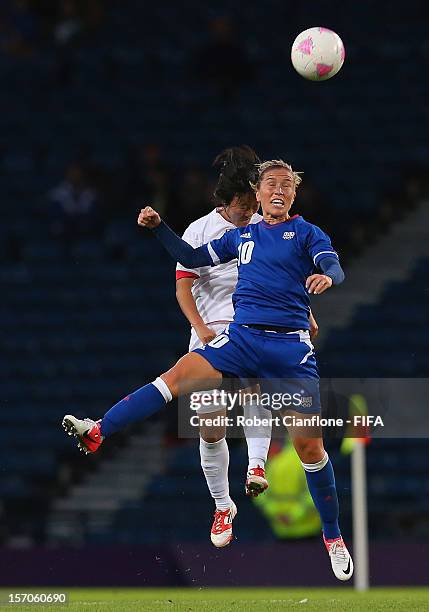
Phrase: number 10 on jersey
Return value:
(245, 250)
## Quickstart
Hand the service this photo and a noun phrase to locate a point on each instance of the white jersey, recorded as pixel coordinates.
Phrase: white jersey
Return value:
(213, 286)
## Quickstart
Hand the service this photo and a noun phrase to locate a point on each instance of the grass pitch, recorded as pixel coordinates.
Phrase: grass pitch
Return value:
(231, 599)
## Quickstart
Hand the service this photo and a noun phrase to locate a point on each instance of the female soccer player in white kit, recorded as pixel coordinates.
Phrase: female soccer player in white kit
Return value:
(205, 297)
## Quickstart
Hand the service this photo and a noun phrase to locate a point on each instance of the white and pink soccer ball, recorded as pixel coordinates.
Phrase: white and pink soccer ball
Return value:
(317, 54)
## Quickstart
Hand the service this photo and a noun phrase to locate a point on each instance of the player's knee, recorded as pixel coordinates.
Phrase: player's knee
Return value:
(172, 382)
(211, 436)
(211, 439)
(310, 450)
(175, 378)
(212, 426)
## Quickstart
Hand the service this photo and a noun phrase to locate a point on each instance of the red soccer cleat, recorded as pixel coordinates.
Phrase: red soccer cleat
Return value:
(221, 533)
(86, 431)
(256, 483)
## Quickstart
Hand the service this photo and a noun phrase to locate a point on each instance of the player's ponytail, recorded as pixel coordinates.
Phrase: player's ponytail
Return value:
(238, 170)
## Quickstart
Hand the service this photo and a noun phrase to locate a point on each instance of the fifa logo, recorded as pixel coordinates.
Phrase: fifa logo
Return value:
(288, 235)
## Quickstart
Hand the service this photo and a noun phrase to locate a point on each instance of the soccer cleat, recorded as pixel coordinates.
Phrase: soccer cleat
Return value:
(341, 561)
(86, 431)
(221, 533)
(256, 483)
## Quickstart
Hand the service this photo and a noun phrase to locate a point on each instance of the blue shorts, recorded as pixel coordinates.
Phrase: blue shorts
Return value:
(280, 362)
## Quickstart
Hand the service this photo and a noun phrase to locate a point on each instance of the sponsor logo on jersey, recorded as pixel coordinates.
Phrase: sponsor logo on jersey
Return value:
(288, 235)
(247, 235)
(307, 402)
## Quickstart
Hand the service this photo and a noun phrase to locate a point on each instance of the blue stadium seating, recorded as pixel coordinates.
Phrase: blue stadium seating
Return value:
(403, 306)
(79, 331)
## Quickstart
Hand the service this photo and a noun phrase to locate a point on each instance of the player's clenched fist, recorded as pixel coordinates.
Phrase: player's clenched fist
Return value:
(148, 218)
(318, 283)
(204, 333)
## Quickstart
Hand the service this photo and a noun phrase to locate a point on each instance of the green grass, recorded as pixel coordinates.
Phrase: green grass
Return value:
(236, 600)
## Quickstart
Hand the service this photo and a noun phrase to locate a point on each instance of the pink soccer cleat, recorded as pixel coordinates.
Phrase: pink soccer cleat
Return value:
(341, 561)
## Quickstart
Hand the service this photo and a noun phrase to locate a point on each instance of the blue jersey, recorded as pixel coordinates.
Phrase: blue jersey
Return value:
(274, 262)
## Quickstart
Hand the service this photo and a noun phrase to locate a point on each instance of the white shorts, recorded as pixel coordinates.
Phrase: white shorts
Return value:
(194, 343)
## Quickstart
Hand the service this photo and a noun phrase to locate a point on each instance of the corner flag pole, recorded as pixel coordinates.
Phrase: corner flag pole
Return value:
(360, 519)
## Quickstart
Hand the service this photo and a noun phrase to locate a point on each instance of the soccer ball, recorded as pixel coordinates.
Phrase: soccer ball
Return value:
(317, 54)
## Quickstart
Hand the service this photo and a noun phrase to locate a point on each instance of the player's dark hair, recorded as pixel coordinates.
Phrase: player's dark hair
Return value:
(238, 169)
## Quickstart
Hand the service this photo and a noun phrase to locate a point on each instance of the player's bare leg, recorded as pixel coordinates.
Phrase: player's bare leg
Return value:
(308, 443)
(191, 373)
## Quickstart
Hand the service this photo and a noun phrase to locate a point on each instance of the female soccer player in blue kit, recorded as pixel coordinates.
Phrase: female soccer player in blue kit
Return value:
(269, 337)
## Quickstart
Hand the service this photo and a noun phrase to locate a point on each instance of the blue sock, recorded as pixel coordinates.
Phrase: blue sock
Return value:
(321, 484)
(137, 406)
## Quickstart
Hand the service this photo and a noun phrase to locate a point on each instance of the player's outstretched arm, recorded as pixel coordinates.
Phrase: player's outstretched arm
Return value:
(179, 249)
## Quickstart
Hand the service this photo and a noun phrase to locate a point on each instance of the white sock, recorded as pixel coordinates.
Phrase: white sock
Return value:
(215, 462)
(258, 437)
